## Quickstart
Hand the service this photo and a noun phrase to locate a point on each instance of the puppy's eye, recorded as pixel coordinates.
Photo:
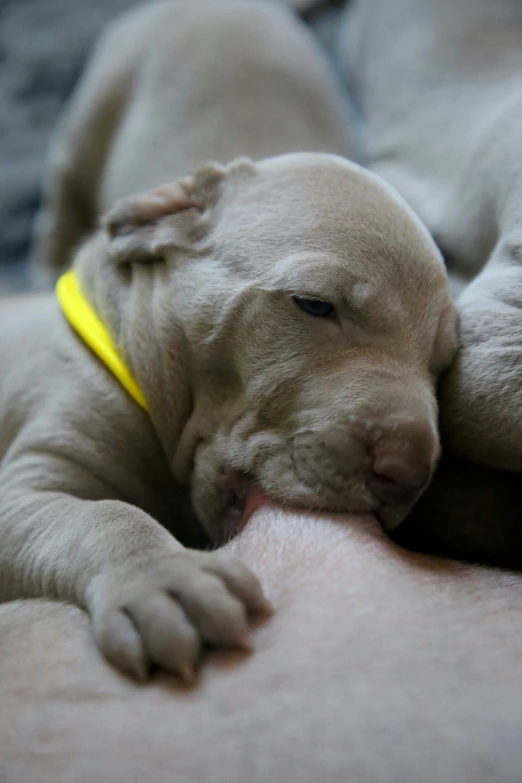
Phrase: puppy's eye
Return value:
(315, 307)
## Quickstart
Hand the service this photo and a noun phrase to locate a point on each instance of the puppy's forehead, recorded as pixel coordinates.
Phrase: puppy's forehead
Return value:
(325, 204)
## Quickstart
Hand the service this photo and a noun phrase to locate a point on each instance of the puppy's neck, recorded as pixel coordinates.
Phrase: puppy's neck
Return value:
(123, 299)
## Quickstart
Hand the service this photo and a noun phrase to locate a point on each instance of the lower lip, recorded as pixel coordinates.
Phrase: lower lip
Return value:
(256, 498)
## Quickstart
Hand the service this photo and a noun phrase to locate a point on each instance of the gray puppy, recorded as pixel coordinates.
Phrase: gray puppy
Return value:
(440, 87)
(279, 323)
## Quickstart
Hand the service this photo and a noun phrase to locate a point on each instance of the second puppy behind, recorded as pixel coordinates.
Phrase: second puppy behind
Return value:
(173, 85)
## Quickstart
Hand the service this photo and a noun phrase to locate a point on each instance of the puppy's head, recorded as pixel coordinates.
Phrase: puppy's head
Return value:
(302, 314)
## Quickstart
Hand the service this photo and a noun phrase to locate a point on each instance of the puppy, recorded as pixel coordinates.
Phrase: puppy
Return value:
(439, 86)
(278, 323)
(172, 85)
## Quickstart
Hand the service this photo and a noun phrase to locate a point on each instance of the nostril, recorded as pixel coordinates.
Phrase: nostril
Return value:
(383, 478)
(399, 474)
(402, 461)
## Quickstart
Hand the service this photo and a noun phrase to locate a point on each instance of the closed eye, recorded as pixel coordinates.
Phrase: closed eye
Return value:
(316, 307)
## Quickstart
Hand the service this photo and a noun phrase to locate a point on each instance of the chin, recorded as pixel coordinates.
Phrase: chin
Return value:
(390, 517)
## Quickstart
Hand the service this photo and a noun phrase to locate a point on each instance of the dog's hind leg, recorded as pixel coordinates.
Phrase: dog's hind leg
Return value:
(80, 146)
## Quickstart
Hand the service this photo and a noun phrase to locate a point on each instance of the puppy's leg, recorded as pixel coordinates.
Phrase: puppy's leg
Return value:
(481, 395)
(442, 99)
(150, 600)
(81, 144)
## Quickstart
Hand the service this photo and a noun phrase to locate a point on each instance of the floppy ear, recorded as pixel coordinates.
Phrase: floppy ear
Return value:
(139, 228)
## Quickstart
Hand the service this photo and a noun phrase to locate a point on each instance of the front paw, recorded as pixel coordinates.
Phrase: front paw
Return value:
(162, 614)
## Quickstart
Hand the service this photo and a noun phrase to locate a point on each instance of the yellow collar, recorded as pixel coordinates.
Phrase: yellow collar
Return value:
(86, 323)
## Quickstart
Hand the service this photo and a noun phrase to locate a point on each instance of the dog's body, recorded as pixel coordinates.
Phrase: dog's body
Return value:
(217, 292)
(442, 97)
(149, 109)
(372, 647)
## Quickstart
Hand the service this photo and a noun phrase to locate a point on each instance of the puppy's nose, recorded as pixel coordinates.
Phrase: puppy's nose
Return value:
(402, 464)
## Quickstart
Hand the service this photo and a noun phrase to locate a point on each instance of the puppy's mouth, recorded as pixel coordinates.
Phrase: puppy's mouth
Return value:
(240, 488)
(245, 495)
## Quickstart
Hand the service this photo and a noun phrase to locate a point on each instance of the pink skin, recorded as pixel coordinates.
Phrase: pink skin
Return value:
(256, 497)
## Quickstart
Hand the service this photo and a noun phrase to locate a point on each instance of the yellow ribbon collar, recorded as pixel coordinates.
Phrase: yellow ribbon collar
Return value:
(88, 326)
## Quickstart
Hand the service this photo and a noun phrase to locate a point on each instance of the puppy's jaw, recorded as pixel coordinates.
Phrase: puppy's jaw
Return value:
(227, 466)
(221, 508)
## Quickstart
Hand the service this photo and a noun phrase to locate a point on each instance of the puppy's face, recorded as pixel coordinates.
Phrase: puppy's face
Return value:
(316, 318)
